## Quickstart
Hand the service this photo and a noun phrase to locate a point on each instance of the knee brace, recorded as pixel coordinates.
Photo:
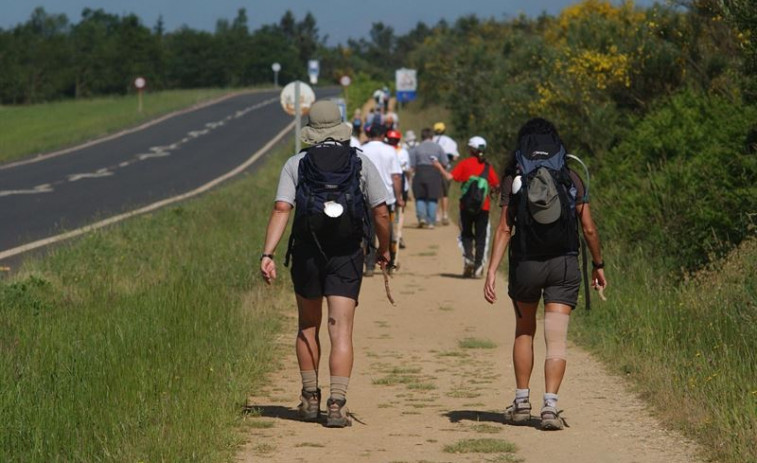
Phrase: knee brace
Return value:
(556, 334)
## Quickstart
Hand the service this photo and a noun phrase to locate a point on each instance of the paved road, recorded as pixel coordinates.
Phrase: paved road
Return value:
(175, 156)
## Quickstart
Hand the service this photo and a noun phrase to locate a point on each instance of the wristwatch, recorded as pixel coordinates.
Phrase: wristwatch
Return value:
(598, 266)
(264, 255)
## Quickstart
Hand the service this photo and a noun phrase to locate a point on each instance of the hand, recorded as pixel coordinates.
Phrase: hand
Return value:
(400, 202)
(268, 269)
(598, 279)
(382, 258)
(489, 293)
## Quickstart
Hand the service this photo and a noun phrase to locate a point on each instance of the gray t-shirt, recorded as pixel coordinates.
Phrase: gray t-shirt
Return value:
(423, 154)
(370, 181)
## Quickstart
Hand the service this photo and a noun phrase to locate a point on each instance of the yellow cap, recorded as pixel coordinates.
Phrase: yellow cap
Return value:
(439, 127)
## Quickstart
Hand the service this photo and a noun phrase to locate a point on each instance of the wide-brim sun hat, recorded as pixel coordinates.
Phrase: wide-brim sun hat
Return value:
(325, 122)
(439, 127)
(410, 136)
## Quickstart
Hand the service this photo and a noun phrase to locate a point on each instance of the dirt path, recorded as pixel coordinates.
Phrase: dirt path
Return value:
(436, 370)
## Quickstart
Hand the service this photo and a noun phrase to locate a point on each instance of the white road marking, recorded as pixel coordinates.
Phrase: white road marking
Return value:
(155, 154)
(100, 173)
(45, 188)
(55, 154)
(118, 218)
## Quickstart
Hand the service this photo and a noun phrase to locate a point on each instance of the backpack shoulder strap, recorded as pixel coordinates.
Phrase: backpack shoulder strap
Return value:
(485, 173)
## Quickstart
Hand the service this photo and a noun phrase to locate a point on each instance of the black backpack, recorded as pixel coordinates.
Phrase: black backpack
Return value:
(474, 191)
(331, 211)
(546, 223)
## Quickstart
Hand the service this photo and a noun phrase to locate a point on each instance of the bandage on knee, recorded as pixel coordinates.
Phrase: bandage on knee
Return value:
(556, 334)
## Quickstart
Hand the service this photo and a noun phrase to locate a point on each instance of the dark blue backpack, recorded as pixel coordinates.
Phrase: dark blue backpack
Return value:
(328, 180)
(541, 163)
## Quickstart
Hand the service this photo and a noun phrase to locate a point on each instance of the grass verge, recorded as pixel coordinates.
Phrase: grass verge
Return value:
(45, 127)
(690, 348)
(141, 342)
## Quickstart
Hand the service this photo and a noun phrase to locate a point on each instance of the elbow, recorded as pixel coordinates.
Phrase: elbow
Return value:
(590, 232)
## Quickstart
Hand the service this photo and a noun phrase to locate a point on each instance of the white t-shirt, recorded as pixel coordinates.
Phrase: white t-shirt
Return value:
(404, 158)
(354, 142)
(387, 162)
(448, 145)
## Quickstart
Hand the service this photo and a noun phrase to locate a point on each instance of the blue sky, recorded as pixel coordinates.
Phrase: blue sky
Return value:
(339, 19)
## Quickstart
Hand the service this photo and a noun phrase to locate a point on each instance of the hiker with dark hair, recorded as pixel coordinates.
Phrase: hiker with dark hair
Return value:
(388, 166)
(427, 182)
(336, 193)
(544, 202)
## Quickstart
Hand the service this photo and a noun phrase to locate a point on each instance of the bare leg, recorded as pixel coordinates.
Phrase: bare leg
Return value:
(308, 345)
(341, 320)
(554, 369)
(523, 347)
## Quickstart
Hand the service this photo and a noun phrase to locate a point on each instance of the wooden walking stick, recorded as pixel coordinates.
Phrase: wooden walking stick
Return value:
(385, 272)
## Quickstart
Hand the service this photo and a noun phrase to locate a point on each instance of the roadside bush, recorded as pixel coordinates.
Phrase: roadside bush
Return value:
(681, 184)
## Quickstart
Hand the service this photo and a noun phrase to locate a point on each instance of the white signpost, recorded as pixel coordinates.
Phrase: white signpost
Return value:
(407, 84)
(345, 82)
(296, 99)
(314, 68)
(276, 67)
(140, 83)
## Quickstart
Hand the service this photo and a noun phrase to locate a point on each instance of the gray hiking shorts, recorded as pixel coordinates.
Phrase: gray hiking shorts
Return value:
(557, 279)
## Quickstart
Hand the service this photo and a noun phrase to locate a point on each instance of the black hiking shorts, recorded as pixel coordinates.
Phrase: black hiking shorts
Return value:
(315, 276)
(557, 279)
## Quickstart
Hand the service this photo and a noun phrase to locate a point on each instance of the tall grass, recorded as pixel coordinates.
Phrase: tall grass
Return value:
(141, 342)
(26, 130)
(690, 347)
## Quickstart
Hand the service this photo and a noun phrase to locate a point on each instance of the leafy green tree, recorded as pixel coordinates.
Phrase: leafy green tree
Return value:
(44, 66)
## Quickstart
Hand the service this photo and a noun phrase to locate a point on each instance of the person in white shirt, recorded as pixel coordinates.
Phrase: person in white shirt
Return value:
(450, 148)
(393, 138)
(386, 161)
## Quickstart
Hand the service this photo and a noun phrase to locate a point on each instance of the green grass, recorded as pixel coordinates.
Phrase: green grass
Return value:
(141, 342)
(41, 128)
(476, 343)
(481, 446)
(695, 340)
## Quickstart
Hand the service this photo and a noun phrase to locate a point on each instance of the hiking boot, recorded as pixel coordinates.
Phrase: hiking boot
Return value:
(337, 414)
(368, 272)
(430, 226)
(310, 405)
(445, 220)
(422, 223)
(550, 419)
(518, 413)
(467, 268)
(402, 243)
(479, 272)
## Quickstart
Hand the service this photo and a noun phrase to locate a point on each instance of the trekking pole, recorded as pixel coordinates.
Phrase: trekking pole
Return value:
(583, 241)
(586, 275)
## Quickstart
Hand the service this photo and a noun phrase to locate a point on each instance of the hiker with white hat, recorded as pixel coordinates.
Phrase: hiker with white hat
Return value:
(478, 180)
(545, 202)
(336, 193)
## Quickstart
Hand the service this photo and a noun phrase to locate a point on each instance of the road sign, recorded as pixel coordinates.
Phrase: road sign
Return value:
(140, 83)
(288, 102)
(345, 81)
(407, 84)
(276, 67)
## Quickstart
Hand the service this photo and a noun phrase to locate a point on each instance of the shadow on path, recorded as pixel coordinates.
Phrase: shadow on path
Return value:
(272, 411)
(455, 416)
